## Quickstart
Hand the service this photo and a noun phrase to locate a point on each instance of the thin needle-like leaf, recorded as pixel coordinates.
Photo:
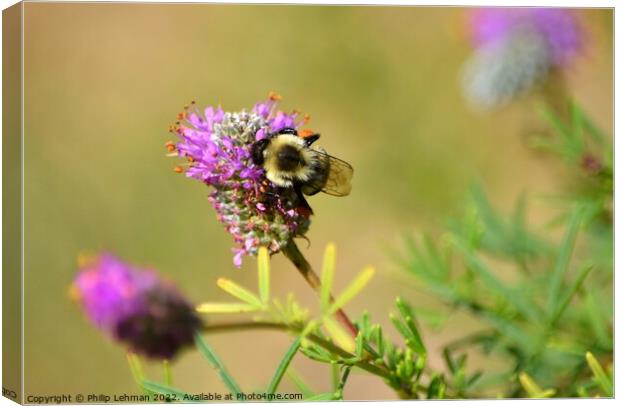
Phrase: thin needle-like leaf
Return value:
(570, 293)
(532, 389)
(205, 349)
(135, 367)
(284, 364)
(226, 308)
(599, 374)
(320, 397)
(327, 276)
(520, 302)
(299, 383)
(338, 334)
(597, 320)
(352, 290)
(263, 274)
(563, 259)
(136, 371)
(239, 292)
(167, 373)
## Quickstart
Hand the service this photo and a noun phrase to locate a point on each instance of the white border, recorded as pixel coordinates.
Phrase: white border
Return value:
(566, 3)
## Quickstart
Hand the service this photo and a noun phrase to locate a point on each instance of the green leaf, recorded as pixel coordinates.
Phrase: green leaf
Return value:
(136, 371)
(436, 388)
(327, 276)
(320, 397)
(167, 373)
(563, 259)
(577, 127)
(599, 374)
(299, 383)
(572, 146)
(239, 292)
(409, 318)
(226, 308)
(574, 287)
(284, 364)
(526, 307)
(314, 354)
(597, 320)
(511, 331)
(215, 362)
(263, 274)
(339, 335)
(532, 389)
(352, 290)
(447, 356)
(594, 131)
(335, 373)
(135, 367)
(174, 394)
(343, 381)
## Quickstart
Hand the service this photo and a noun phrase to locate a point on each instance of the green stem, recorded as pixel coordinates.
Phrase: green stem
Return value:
(292, 252)
(328, 345)
(167, 373)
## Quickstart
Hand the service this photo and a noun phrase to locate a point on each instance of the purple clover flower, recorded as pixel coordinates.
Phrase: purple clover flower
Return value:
(556, 27)
(515, 48)
(134, 306)
(217, 146)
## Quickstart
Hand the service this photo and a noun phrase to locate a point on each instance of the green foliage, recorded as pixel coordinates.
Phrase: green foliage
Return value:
(205, 349)
(284, 364)
(537, 301)
(602, 378)
(532, 388)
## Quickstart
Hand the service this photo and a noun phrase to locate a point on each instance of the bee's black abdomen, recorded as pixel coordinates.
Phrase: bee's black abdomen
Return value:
(289, 158)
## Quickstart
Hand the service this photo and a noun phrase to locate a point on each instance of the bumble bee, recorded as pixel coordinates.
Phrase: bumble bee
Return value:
(290, 161)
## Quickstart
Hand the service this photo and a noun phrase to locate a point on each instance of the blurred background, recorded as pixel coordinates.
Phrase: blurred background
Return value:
(104, 81)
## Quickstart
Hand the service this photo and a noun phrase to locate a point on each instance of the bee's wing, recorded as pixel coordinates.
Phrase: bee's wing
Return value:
(338, 182)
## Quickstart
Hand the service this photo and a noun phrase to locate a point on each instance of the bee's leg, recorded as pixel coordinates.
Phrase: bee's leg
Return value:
(307, 240)
(310, 139)
(303, 203)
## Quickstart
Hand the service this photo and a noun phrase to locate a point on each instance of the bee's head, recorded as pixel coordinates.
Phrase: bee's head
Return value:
(258, 151)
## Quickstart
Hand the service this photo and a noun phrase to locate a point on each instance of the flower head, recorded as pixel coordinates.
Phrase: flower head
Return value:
(134, 306)
(515, 48)
(217, 146)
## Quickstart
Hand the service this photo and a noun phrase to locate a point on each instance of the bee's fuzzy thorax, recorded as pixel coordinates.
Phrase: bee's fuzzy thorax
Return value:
(302, 172)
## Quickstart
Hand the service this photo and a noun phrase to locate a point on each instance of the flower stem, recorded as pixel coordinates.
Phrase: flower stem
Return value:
(292, 252)
(328, 345)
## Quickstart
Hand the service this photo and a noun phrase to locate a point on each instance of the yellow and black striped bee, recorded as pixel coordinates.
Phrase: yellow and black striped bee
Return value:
(291, 161)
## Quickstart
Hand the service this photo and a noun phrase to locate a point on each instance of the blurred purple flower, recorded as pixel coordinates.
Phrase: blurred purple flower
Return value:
(217, 146)
(515, 48)
(135, 307)
(556, 26)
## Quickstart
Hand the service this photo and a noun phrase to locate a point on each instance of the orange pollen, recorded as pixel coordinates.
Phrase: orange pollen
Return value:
(178, 169)
(182, 115)
(305, 133)
(306, 117)
(274, 96)
(170, 146)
